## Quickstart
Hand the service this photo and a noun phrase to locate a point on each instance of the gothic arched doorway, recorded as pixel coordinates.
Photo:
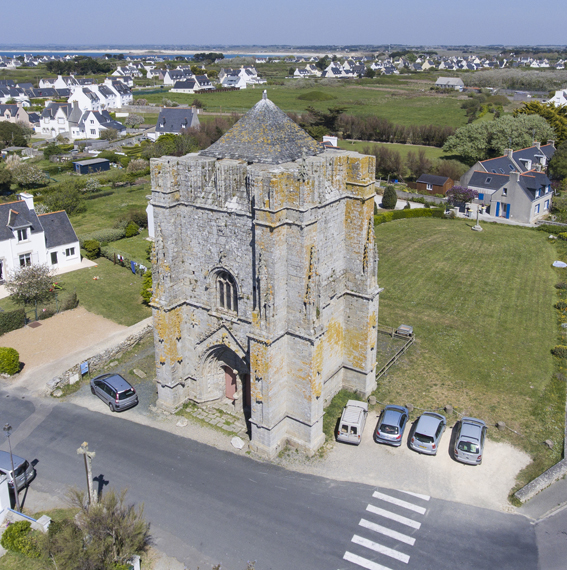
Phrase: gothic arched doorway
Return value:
(227, 378)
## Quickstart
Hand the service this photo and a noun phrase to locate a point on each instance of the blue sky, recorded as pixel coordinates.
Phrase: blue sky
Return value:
(290, 22)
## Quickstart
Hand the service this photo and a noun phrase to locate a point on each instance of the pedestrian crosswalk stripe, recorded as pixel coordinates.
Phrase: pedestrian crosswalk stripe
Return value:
(393, 516)
(418, 495)
(365, 563)
(381, 548)
(399, 503)
(387, 532)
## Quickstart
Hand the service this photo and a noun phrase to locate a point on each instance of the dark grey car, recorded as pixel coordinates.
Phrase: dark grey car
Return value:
(391, 425)
(114, 391)
(469, 441)
(427, 433)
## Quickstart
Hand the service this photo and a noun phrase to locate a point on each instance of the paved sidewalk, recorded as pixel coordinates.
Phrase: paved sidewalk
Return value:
(546, 502)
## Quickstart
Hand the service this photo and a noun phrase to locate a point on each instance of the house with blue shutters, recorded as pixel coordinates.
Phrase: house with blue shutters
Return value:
(514, 186)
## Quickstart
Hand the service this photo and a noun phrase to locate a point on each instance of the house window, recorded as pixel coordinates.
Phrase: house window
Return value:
(25, 259)
(487, 181)
(23, 234)
(429, 187)
(92, 122)
(546, 205)
(53, 258)
(537, 193)
(93, 131)
(70, 251)
(504, 191)
(537, 209)
(61, 121)
(226, 292)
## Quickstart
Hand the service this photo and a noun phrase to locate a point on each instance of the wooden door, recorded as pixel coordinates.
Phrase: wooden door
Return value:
(230, 378)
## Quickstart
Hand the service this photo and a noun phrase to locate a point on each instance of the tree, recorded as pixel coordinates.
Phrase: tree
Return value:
(291, 71)
(27, 175)
(103, 535)
(556, 117)
(328, 121)
(460, 194)
(109, 134)
(12, 134)
(452, 169)
(67, 197)
(390, 198)
(5, 180)
(417, 164)
(31, 284)
(51, 150)
(479, 141)
(147, 284)
(323, 63)
(557, 165)
(134, 120)
(370, 73)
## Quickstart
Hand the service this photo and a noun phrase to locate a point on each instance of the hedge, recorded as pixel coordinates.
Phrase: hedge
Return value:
(9, 361)
(110, 253)
(560, 351)
(415, 213)
(104, 236)
(17, 539)
(12, 320)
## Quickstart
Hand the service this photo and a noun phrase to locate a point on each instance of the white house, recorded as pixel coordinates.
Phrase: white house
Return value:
(86, 98)
(450, 83)
(57, 118)
(560, 98)
(92, 123)
(29, 239)
(174, 120)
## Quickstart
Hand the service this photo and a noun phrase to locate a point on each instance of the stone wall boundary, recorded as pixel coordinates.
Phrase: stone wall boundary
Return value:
(548, 477)
(97, 361)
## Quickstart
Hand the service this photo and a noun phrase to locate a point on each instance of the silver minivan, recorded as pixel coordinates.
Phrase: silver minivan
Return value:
(114, 391)
(353, 420)
(25, 471)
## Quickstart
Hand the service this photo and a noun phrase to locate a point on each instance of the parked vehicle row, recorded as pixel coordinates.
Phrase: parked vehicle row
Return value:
(424, 437)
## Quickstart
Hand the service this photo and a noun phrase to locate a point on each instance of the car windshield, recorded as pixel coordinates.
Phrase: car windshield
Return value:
(468, 447)
(423, 438)
(392, 430)
(126, 394)
(21, 469)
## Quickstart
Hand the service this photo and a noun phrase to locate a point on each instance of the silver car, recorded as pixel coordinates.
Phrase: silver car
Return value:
(391, 425)
(469, 441)
(25, 472)
(114, 391)
(427, 433)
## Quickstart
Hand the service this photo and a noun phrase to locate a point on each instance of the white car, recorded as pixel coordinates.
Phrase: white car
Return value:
(353, 420)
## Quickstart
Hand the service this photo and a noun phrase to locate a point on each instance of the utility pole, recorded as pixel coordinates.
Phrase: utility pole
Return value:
(8, 431)
(88, 455)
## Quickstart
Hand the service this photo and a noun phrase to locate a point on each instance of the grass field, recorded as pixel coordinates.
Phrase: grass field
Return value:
(402, 103)
(431, 152)
(481, 304)
(115, 295)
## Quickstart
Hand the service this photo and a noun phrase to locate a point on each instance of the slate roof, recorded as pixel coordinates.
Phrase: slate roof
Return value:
(432, 179)
(488, 181)
(533, 153)
(15, 215)
(58, 229)
(265, 135)
(500, 165)
(533, 180)
(174, 120)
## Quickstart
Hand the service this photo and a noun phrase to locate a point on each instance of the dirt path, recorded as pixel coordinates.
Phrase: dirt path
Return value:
(57, 336)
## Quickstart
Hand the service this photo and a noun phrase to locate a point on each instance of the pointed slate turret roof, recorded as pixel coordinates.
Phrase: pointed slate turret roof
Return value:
(265, 135)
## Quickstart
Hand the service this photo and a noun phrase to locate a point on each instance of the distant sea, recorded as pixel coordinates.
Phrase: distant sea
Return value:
(134, 56)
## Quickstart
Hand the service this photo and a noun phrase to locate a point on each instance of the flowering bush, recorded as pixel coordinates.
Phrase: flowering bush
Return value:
(458, 194)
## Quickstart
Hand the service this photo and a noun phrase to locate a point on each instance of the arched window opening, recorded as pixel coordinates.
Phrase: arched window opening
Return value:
(226, 292)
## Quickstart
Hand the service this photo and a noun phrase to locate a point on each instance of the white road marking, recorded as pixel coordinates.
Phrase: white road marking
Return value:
(393, 516)
(418, 495)
(380, 548)
(368, 564)
(387, 532)
(399, 503)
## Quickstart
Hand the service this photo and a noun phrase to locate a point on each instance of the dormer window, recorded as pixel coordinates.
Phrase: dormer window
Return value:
(488, 180)
(22, 234)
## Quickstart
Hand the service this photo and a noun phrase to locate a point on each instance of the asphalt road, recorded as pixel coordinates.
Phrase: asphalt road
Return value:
(208, 506)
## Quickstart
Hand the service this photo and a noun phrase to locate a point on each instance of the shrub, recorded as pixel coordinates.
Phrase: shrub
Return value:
(9, 363)
(137, 165)
(390, 198)
(561, 285)
(561, 305)
(316, 96)
(92, 185)
(12, 320)
(16, 538)
(560, 351)
(92, 248)
(147, 285)
(71, 302)
(132, 229)
(104, 236)
(562, 235)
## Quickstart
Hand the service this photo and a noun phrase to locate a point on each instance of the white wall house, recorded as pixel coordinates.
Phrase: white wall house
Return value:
(93, 123)
(86, 98)
(29, 239)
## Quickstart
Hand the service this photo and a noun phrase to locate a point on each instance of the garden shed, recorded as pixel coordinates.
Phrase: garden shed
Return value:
(92, 165)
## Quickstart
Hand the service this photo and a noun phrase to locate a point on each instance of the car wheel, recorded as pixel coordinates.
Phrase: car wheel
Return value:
(111, 406)
(93, 391)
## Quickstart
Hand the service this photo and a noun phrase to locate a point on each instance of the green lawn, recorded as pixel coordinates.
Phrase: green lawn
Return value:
(481, 304)
(115, 295)
(135, 247)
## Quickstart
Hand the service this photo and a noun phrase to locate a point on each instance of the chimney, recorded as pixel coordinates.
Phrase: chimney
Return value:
(508, 152)
(552, 143)
(27, 198)
(537, 167)
(537, 144)
(514, 177)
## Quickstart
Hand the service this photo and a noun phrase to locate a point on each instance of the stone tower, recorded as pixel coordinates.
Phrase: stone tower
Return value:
(265, 291)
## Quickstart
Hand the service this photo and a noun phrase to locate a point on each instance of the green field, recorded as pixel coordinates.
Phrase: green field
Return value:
(431, 152)
(404, 103)
(481, 304)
